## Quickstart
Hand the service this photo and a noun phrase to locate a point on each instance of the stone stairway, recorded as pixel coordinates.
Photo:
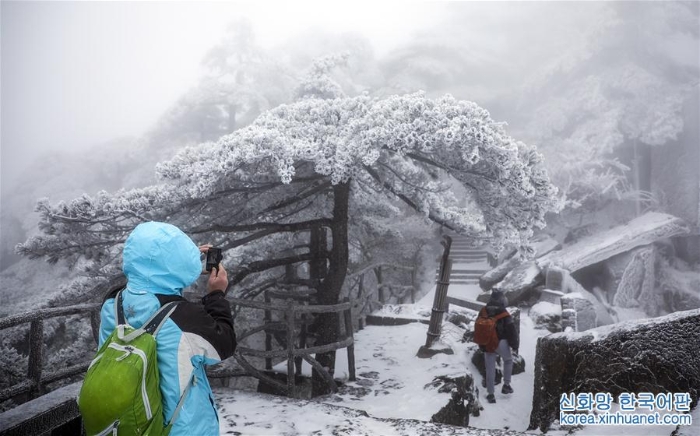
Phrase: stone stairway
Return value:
(468, 264)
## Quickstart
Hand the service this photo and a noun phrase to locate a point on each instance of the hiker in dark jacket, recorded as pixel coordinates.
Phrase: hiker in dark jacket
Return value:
(159, 261)
(507, 339)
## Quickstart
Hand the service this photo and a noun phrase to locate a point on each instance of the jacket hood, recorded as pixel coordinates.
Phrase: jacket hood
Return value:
(160, 259)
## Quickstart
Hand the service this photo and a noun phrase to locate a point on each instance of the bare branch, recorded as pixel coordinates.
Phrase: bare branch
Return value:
(263, 265)
(405, 199)
(268, 227)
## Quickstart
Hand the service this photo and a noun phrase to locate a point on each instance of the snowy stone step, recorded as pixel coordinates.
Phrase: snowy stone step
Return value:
(464, 279)
(466, 271)
(464, 282)
(476, 274)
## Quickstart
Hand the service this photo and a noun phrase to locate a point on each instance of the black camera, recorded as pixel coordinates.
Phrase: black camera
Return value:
(214, 257)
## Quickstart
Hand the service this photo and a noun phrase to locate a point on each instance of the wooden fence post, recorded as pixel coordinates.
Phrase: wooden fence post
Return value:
(349, 331)
(438, 305)
(298, 361)
(268, 337)
(439, 301)
(36, 352)
(291, 386)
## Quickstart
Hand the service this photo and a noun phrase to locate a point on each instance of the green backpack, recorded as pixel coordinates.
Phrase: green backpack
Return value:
(121, 391)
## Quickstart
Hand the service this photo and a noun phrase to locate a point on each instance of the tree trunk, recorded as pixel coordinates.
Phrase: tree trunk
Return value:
(329, 292)
(318, 244)
(380, 282)
(414, 273)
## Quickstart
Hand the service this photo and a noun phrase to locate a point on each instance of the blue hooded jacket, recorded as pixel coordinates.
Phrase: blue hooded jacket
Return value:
(159, 262)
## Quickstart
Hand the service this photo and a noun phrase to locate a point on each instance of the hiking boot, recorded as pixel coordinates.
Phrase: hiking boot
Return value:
(491, 398)
(506, 389)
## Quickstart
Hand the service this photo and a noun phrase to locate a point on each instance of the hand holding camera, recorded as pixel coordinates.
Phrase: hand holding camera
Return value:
(218, 280)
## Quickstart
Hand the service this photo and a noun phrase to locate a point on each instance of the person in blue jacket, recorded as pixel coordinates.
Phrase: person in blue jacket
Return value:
(159, 262)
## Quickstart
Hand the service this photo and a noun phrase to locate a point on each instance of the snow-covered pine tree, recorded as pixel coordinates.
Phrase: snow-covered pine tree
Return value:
(308, 167)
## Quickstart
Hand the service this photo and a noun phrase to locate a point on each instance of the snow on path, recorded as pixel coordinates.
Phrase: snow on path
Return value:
(392, 396)
(469, 292)
(391, 384)
(513, 410)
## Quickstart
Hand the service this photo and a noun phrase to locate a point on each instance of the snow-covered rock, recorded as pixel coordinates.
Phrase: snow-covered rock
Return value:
(547, 315)
(651, 355)
(490, 278)
(642, 230)
(580, 312)
(601, 314)
(637, 280)
(519, 281)
(541, 244)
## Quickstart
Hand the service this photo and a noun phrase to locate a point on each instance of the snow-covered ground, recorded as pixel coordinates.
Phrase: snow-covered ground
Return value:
(390, 396)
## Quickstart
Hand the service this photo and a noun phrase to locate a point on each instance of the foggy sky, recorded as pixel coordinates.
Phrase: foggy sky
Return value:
(75, 74)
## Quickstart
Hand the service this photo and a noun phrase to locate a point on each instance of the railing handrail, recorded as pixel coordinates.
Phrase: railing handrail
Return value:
(22, 318)
(35, 376)
(299, 308)
(293, 353)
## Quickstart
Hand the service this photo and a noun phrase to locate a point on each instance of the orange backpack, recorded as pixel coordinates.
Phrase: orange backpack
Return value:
(485, 330)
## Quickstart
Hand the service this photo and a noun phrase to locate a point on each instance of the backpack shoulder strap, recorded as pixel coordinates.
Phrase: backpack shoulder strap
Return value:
(119, 309)
(155, 322)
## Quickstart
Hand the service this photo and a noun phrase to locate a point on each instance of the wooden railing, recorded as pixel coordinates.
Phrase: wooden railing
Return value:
(62, 412)
(36, 376)
(292, 353)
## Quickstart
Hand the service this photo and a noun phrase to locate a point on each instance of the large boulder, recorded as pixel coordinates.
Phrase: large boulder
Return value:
(593, 309)
(492, 277)
(652, 355)
(578, 313)
(521, 282)
(596, 248)
(636, 284)
(547, 315)
(541, 245)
